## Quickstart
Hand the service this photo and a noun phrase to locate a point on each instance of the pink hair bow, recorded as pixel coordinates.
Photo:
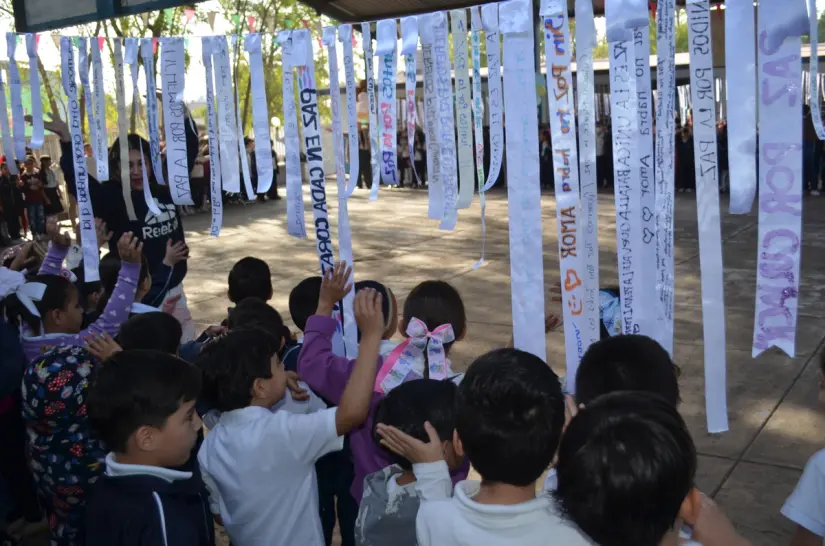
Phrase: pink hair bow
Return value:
(399, 365)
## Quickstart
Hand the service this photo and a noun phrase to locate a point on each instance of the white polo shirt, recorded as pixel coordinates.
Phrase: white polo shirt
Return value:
(806, 505)
(259, 467)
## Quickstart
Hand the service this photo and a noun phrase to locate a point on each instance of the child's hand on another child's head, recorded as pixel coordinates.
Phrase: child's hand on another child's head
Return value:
(368, 313)
(129, 248)
(334, 286)
(175, 253)
(299, 393)
(102, 346)
(412, 449)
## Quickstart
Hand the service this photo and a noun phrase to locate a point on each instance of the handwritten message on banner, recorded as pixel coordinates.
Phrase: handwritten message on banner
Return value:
(174, 119)
(214, 154)
(435, 210)
(463, 109)
(446, 121)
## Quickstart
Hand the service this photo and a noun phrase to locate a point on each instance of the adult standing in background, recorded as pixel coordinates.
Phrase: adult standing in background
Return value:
(49, 178)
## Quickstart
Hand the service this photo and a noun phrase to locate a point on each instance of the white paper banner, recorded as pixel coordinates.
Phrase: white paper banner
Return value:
(665, 169)
(707, 204)
(813, 80)
(147, 52)
(589, 225)
(227, 119)
(17, 115)
(446, 120)
(523, 194)
(83, 70)
(101, 141)
(345, 37)
(5, 125)
(296, 224)
(244, 158)
(260, 113)
(489, 19)
(780, 185)
(463, 109)
(37, 138)
(369, 58)
(214, 153)
(123, 130)
(409, 47)
(435, 209)
(388, 104)
(478, 125)
(174, 119)
(86, 215)
(629, 227)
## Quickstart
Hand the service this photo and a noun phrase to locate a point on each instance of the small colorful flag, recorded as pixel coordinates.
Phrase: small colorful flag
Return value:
(251, 21)
(189, 13)
(100, 41)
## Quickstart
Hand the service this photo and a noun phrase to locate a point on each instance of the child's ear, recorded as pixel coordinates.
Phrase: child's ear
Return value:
(258, 389)
(691, 506)
(458, 446)
(144, 438)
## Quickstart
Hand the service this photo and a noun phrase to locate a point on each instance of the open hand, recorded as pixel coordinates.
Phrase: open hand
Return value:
(175, 253)
(334, 286)
(103, 233)
(369, 315)
(53, 232)
(130, 248)
(56, 126)
(412, 449)
(102, 346)
(299, 394)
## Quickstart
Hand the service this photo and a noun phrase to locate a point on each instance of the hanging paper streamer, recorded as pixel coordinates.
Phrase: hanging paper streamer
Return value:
(37, 138)
(409, 47)
(622, 16)
(780, 183)
(707, 204)
(446, 120)
(83, 70)
(647, 179)
(17, 115)
(589, 225)
(174, 119)
(86, 215)
(123, 129)
(557, 46)
(813, 81)
(147, 49)
(489, 19)
(434, 188)
(665, 170)
(228, 124)
(628, 188)
(214, 153)
(523, 194)
(369, 59)
(387, 35)
(478, 124)
(346, 38)
(296, 225)
(344, 233)
(189, 14)
(463, 109)
(247, 180)
(8, 140)
(100, 143)
(260, 113)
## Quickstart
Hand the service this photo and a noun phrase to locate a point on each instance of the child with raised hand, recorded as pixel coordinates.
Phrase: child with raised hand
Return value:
(391, 500)
(142, 404)
(258, 464)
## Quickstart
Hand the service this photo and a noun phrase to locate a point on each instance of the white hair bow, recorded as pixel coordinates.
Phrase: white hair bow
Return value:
(14, 282)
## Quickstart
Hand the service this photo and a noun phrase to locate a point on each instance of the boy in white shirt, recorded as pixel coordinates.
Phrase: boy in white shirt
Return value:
(259, 465)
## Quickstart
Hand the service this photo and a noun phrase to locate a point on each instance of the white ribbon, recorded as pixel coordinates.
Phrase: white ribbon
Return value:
(345, 37)
(647, 180)
(296, 224)
(489, 19)
(14, 282)
(101, 141)
(478, 125)
(446, 120)
(707, 204)
(387, 34)
(344, 233)
(628, 187)
(147, 52)
(174, 119)
(409, 47)
(17, 115)
(589, 226)
(86, 215)
(369, 59)
(244, 158)
(665, 173)
(435, 190)
(123, 131)
(5, 126)
(780, 183)
(813, 80)
(214, 152)
(260, 113)
(463, 109)
(83, 70)
(228, 124)
(37, 138)
(523, 194)
(557, 46)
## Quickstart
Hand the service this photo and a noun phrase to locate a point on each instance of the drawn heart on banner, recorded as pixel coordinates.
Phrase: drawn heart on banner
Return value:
(646, 214)
(648, 236)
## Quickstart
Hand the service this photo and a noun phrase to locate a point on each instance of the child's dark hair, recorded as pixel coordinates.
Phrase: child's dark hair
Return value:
(151, 331)
(408, 406)
(139, 388)
(436, 303)
(626, 363)
(109, 270)
(231, 364)
(85, 289)
(255, 313)
(56, 296)
(250, 278)
(626, 464)
(303, 301)
(509, 416)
